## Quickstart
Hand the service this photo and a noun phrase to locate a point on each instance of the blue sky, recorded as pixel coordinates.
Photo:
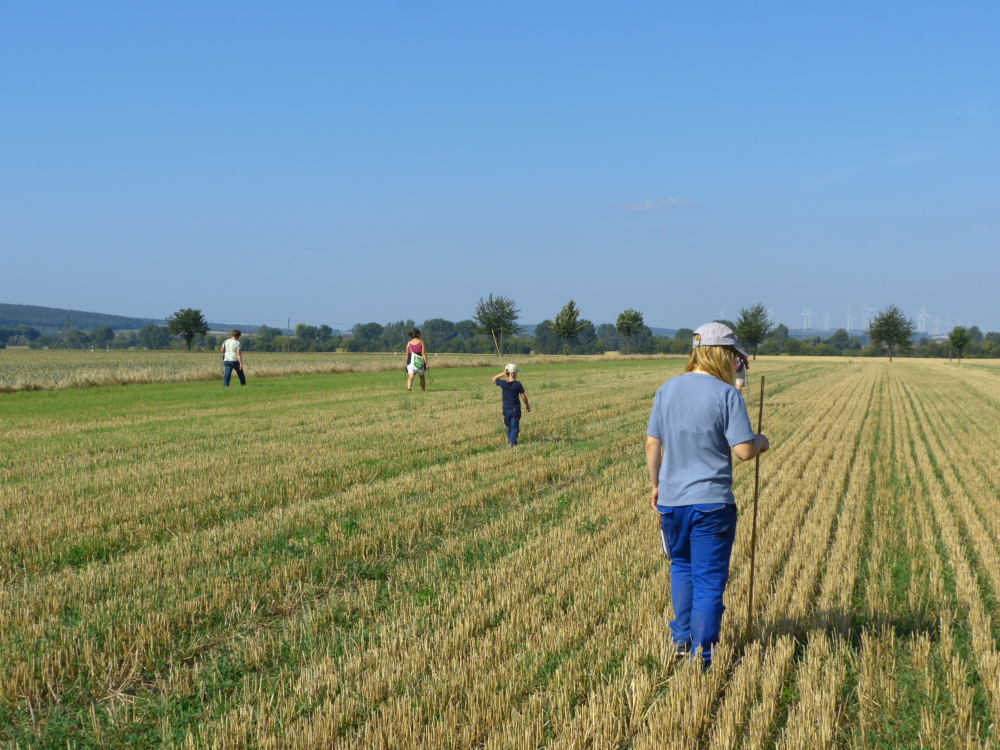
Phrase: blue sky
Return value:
(343, 163)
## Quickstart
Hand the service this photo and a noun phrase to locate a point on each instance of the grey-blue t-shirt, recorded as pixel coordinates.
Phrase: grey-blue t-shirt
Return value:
(698, 418)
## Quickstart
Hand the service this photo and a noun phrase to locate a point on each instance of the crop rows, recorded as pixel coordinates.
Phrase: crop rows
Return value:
(379, 571)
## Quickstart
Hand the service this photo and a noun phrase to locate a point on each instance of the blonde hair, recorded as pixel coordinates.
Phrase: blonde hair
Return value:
(719, 361)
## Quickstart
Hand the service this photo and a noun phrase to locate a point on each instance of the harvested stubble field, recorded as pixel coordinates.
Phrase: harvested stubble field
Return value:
(39, 369)
(328, 561)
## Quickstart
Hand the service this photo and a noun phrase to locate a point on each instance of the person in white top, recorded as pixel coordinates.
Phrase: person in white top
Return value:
(232, 358)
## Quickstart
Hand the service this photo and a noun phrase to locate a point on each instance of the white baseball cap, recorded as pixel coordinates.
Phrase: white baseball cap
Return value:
(511, 368)
(717, 334)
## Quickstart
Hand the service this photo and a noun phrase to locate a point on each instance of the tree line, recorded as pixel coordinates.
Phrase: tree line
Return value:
(495, 328)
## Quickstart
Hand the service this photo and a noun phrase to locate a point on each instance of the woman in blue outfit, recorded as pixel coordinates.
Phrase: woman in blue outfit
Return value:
(512, 389)
(699, 419)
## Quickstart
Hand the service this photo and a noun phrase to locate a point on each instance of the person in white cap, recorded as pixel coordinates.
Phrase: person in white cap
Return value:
(698, 421)
(513, 393)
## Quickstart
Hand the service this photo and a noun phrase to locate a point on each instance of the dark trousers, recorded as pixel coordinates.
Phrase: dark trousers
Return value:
(512, 421)
(700, 540)
(230, 367)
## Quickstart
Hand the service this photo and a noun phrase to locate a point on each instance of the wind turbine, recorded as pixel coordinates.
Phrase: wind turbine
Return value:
(868, 315)
(722, 313)
(806, 317)
(850, 317)
(826, 324)
(922, 317)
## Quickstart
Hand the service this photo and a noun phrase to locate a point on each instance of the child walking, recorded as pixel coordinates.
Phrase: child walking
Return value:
(698, 421)
(512, 390)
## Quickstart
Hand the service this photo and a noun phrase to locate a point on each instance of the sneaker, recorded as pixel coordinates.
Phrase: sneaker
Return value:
(682, 651)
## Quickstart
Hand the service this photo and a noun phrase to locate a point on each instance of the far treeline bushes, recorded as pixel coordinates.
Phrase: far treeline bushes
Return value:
(495, 323)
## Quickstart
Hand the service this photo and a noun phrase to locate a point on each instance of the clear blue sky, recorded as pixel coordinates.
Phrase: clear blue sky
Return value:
(391, 160)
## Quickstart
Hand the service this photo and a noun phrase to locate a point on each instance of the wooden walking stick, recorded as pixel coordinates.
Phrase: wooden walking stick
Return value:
(753, 532)
(499, 353)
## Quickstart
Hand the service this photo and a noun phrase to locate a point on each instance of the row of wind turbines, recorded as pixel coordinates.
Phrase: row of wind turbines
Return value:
(923, 317)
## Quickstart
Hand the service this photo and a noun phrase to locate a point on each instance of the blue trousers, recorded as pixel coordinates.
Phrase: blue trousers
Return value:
(700, 540)
(512, 421)
(229, 368)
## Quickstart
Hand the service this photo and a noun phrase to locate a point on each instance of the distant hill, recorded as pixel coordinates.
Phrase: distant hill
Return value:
(54, 318)
(49, 318)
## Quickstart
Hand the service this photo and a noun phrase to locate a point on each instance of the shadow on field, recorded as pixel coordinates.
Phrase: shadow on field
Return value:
(849, 625)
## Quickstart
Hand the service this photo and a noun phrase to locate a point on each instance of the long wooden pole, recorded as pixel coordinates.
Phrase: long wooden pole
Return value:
(499, 355)
(753, 531)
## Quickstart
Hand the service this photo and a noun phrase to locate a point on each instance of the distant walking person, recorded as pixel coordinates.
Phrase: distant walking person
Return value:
(512, 389)
(416, 360)
(698, 421)
(232, 358)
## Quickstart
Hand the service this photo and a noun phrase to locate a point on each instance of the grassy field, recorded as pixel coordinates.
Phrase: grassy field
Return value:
(329, 561)
(39, 369)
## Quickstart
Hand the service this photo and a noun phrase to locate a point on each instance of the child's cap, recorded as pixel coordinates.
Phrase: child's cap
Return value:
(511, 368)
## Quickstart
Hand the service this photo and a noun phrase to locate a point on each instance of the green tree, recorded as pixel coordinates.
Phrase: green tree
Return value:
(153, 336)
(960, 338)
(780, 336)
(465, 329)
(29, 332)
(892, 328)
(306, 332)
(102, 335)
(395, 335)
(267, 334)
(840, 339)
(437, 331)
(545, 341)
(366, 333)
(567, 324)
(606, 332)
(684, 334)
(976, 334)
(496, 316)
(629, 324)
(753, 326)
(187, 323)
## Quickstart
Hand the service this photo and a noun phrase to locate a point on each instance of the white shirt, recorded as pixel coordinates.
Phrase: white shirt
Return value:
(232, 346)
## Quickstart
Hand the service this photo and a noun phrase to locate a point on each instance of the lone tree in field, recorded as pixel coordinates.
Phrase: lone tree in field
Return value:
(496, 316)
(960, 338)
(753, 326)
(892, 328)
(566, 326)
(629, 324)
(187, 324)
